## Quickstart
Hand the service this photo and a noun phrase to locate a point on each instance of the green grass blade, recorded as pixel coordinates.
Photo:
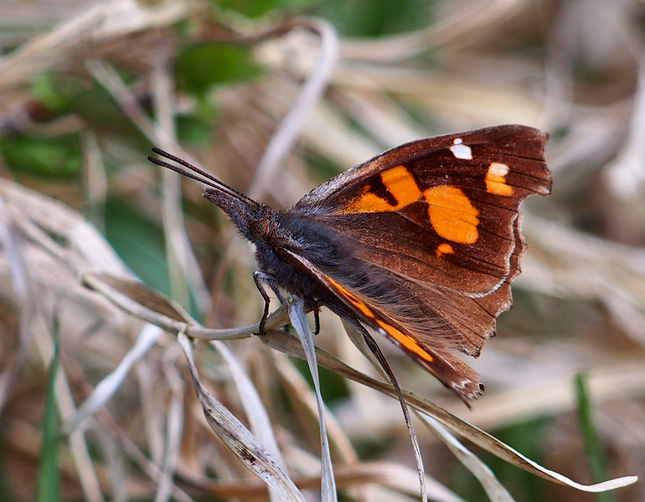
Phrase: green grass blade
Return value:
(48, 484)
(595, 454)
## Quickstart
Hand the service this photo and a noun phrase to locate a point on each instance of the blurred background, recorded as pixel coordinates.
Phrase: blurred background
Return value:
(87, 88)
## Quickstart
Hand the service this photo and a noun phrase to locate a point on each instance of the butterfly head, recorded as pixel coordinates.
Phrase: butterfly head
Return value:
(256, 222)
(252, 219)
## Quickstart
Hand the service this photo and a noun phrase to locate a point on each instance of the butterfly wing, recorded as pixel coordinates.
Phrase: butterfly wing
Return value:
(431, 240)
(439, 210)
(431, 352)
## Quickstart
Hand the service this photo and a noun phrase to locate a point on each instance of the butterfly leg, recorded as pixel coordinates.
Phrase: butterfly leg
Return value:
(260, 280)
(316, 319)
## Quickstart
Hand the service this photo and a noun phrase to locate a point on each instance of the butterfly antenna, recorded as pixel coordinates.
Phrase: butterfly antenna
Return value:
(197, 174)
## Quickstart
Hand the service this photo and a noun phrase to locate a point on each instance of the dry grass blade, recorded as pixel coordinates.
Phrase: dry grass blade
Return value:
(253, 407)
(451, 422)
(104, 391)
(625, 174)
(182, 262)
(494, 489)
(175, 424)
(42, 51)
(238, 438)
(301, 326)
(384, 367)
(10, 243)
(148, 305)
(463, 26)
(396, 477)
(303, 399)
(618, 279)
(286, 135)
(609, 384)
(178, 249)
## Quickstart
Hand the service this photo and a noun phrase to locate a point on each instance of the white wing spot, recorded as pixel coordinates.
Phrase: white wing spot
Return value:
(461, 151)
(497, 169)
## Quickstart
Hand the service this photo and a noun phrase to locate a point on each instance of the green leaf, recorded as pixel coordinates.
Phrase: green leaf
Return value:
(194, 130)
(45, 91)
(200, 67)
(139, 242)
(375, 18)
(258, 8)
(56, 157)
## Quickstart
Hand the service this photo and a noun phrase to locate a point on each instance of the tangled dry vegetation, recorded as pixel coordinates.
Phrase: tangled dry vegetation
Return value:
(285, 116)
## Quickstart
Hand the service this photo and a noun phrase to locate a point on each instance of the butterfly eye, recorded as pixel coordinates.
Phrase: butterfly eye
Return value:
(259, 229)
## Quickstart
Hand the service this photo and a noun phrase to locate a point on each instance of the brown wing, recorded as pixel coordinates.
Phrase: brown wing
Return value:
(427, 322)
(433, 353)
(434, 227)
(439, 210)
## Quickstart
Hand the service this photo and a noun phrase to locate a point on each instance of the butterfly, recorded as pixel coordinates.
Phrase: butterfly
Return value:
(420, 243)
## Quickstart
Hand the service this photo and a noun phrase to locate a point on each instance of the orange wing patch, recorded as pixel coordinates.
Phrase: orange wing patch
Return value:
(353, 299)
(401, 185)
(452, 215)
(404, 340)
(496, 180)
(444, 248)
(386, 328)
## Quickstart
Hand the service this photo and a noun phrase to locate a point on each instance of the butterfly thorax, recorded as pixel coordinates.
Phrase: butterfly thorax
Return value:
(279, 234)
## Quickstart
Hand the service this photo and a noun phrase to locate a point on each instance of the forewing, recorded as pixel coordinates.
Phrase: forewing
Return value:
(441, 210)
